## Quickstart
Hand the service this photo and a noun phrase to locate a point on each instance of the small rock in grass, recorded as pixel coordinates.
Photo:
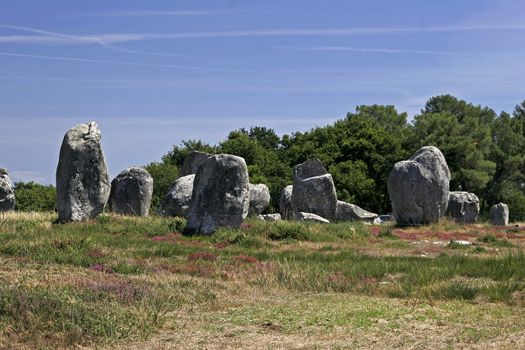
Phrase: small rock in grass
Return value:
(460, 242)
(270, 217)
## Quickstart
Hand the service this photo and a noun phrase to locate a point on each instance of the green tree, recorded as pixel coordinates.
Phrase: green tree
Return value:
(353, 182)
(463, 132)
(164, 175)
(508, 183)
(178, 153)
(31, 196)
(265, 137)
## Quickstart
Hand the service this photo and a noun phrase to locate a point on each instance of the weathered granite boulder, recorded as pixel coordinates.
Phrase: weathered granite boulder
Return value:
(259, 199)
(220, 194)
(499, 214)
(82, 178)
(419, 187)
(310, 217)
(313, 190)
(351, 212)
(463, 207)
(7, 195)
(270, 217)
(192, 162)
(285, 203)
(131, 192)
(178, 199)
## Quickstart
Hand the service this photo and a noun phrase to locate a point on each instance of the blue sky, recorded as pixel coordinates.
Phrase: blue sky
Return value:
(154, 73)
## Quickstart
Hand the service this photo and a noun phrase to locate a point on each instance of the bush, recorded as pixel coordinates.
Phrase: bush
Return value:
(31, 196)
(288, 230)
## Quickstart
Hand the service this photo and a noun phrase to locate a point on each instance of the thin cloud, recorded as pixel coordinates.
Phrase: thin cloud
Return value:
(53, 37)
(45, 35)
(87, 80)
(140, 52)
(125, 63)
(134, 37)
(155, 13)
(364, 50)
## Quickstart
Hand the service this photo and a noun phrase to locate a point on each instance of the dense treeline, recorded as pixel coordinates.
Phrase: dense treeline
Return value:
(485, 153)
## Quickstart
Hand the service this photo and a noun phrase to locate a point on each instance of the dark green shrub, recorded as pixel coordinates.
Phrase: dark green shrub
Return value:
(288, 230)
(31, 196)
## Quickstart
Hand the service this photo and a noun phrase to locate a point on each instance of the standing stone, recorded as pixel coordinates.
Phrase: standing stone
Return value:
(178, 199)
(82, 178)
(192, 162)
(220, 194)
(499, 214)
(419, 187)
(259, 199)
(313, 190)
(463, 207)
(351, 212)
(7, 195)
(285, 203)
(131, 192)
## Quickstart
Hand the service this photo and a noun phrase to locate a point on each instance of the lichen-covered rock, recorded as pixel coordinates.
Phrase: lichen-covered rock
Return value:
(220, 194)
(178, 199)
(311, 218)
(131, 192)
(82, 178)
(285, 203)
(7, 195)
(259, 199)
(351, 212)
(270, 217)
(419, 188)
(463, 207)
(313, 190)
(499, 214)
(192, 162)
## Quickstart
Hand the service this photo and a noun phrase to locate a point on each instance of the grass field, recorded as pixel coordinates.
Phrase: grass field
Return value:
(137, 283)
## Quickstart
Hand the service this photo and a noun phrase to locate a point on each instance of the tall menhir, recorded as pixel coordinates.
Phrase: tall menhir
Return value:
(82, 180)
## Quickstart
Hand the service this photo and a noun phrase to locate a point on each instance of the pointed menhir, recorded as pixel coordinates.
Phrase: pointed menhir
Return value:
(82, 177)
